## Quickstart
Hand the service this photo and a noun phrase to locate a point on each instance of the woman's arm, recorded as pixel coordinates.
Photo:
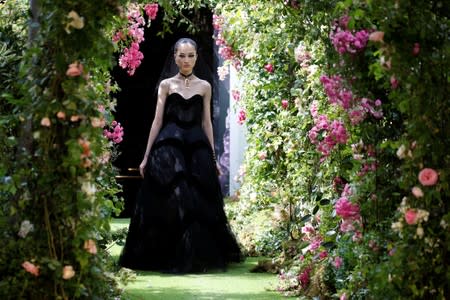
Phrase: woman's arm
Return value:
(206, 122)
(157, 122)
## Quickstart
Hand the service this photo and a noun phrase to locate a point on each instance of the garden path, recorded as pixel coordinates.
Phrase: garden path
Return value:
(237, 283)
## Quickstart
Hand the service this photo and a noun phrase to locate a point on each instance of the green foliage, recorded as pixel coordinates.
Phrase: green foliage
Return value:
(58, 190)
(408, 71)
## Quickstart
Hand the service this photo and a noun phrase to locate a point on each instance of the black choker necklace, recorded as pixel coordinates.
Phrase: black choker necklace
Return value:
(186, 79)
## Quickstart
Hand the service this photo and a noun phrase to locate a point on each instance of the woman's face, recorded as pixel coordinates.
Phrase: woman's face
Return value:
(185, 58)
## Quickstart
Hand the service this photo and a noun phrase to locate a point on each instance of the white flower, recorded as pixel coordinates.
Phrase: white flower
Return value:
(444, 224)
(25, 228)
(76, 22)
(419, 232)
(88, 188)
(223, 71)
(401, 152)
(397, 226)
(422, 215)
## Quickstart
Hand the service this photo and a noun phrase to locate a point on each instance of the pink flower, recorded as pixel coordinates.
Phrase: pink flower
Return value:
(45, 122)
(75, 69)
(376, 36)
(303, 278)
(323, 254)
(269, 68)
(115, 134)
(242, 116)
(90, 246)
(236, 95)
(417, 192)
(394, 82)
(118, 36)
(284, 103)
(337, 262)
(411, 216)
(131, 58)
(68, 272)
(61, 115)
(262, 155)
(151, 10)
(343, 297)
(315, 244)
(218, 22)
(347, 225)
(31, 268)
(416, 49)
(343, 21)
(346, 209)
(357, 236)
(428, 177)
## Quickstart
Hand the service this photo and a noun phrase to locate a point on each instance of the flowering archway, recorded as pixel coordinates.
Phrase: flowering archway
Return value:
(345, 182)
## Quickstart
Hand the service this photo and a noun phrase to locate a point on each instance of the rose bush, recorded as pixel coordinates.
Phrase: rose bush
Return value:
(369, 67)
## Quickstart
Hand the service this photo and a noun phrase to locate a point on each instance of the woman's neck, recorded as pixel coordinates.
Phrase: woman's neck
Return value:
(185, 75)
(187, 78)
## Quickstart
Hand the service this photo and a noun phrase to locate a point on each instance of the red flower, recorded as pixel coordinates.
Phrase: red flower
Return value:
(269, 68)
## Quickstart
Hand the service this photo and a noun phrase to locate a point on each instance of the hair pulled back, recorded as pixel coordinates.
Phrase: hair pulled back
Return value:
(185, 41)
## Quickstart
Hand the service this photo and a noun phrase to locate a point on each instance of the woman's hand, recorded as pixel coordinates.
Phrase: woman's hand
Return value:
(218, 170)
(142, 167)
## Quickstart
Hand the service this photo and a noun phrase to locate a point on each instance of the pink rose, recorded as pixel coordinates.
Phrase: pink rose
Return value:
(376, 36)
(394, 82)
(417, 192)
(61, 115)
(337, 262)
(68, 272)
(151, 10)
(74, 118)
(45, 122)
(269, 68)
(284, 103)
(31, 268)
(411, 216)
(428, 177)
(75, 69)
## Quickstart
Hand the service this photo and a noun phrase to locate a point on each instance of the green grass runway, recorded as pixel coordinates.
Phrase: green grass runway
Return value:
(237, 283)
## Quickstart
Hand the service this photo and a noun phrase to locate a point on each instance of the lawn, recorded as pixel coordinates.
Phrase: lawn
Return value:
(235, 284)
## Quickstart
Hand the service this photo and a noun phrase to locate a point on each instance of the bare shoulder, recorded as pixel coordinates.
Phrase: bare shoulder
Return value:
(165, 82)
(205, 86)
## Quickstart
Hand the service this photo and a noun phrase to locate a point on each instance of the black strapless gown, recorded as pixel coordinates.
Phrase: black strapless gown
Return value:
(179, 224)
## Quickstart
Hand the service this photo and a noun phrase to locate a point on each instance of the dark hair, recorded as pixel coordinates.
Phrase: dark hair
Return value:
(185, 41)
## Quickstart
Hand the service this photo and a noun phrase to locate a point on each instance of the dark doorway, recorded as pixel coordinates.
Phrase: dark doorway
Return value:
(136, 100)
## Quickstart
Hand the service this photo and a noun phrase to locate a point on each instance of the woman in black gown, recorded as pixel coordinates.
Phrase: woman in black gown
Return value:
(179, 224)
